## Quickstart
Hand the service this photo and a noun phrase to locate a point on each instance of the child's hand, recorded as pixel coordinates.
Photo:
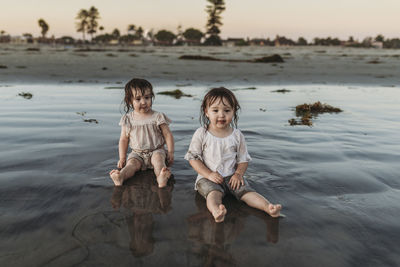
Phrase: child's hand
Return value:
(170, 158)
(216, 178)
(236, 181)
(121, 163)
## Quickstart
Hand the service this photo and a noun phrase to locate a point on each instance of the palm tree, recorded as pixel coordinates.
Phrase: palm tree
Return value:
(44, 26)
(214, 10)
(131, 28)
(83, 23)
(139, 33)
(94, 15)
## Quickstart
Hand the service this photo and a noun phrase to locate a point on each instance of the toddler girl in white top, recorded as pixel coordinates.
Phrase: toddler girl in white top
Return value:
(147, 132)
(218, 153)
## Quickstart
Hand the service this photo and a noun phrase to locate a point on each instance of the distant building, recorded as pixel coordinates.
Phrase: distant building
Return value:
(377, 44)
(230, 42)
(5, 38)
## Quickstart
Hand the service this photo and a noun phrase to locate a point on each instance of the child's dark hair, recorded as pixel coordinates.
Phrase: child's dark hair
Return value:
(216, 94)
(135, 85)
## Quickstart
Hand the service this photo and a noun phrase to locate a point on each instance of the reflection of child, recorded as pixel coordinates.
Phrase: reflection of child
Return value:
(143, 198)
(218, 153)
(146, 131)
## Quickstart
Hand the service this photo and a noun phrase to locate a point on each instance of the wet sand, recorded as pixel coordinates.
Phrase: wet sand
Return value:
(337, 180)
(303, 65)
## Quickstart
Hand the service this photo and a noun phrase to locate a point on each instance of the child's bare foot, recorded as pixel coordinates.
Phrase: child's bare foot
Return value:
(163, 177)
(274, 210)
(114, 174)
(219, 214)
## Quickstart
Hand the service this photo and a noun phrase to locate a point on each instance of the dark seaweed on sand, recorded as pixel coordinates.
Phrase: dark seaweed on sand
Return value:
(91, 120)
(175, 93)
(26, 95)
(283, 91)
(198, 57)
(309, 111)
(270, 59)
(3, 67)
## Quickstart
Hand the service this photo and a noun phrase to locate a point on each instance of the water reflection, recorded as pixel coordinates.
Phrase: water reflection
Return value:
(212, 241)
(143, 198)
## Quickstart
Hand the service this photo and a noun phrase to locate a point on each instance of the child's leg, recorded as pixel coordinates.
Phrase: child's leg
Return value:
(215, 206)
(160, 169)
(132, 166)
(255, 200)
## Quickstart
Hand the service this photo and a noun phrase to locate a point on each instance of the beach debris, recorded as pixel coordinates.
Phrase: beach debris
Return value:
(184, 84)
(267, 59)
(374, 62)
(270, 59)
(83, 113)
(104, 68)
(133, 55)
(247, 88)
(320, 51)
(26, 95)
(3, 67)
(263, 109)
(199, 57)
(283, 91)
(114, 87)
(175, 93)
(111, 55)
(33, 49)
(91, 120)
(307, 112)
(21, 67)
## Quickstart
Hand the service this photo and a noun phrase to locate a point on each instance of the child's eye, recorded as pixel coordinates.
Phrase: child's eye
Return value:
(227, 110)
(215, 110)
(137, 99)
(147, 97)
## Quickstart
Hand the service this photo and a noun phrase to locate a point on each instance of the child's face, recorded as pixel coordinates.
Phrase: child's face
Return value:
(142, 103)
(220, 114)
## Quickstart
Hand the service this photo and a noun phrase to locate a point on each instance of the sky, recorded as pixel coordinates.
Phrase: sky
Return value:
(242, 18)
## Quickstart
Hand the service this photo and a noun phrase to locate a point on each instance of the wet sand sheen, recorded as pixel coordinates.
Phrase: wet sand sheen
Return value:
(338, 182)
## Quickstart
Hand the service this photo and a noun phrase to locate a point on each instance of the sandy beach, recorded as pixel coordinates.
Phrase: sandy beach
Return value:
(303, 65)
(337, 179)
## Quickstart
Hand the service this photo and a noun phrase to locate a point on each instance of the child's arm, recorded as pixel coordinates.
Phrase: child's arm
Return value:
(202, 169)
(169, 140)
(236, 180)
(122, 148)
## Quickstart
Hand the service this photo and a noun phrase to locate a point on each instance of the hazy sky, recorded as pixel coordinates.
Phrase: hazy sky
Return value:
(242, 18)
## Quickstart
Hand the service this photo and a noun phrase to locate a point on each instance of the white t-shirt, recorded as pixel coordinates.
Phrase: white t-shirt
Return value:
(219, 154)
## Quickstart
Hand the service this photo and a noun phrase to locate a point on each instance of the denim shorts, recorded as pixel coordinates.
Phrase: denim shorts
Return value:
(205, 186)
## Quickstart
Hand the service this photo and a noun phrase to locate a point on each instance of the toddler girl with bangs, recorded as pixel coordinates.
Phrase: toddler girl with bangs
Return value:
(218, 153)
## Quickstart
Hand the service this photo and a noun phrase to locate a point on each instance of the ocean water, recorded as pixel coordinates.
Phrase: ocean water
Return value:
(338, 181)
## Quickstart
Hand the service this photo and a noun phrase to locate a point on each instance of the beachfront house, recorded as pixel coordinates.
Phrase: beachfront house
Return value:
(230, 42)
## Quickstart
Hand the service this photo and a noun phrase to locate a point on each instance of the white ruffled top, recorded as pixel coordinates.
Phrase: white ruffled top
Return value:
(145, 134)
(218, 154)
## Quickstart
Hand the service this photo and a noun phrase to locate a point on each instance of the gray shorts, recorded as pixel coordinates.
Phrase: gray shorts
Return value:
(145, 157)
(205, 186)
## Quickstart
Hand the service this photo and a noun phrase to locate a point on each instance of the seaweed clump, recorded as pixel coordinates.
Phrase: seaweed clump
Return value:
(26, 95)
(283, 91)
(270, 59)
(175, 93)
(307, 112)
(198, 57)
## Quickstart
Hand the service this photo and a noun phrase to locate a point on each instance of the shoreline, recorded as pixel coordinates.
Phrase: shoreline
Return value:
(162, 66)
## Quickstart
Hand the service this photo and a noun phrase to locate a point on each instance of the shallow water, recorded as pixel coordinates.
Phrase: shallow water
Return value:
(338, 182)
